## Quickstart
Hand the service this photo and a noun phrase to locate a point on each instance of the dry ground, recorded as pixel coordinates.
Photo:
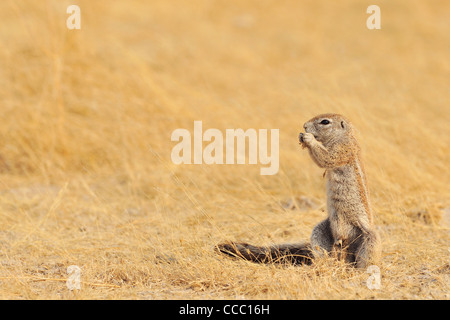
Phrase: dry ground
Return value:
(86, 177)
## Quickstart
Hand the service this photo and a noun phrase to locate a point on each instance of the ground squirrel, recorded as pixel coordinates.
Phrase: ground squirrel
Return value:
(347, 233)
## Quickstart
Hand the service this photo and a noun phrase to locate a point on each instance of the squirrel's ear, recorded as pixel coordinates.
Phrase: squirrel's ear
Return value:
(343, 125)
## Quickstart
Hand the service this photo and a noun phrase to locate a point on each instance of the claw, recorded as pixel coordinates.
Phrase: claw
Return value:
(300, 137)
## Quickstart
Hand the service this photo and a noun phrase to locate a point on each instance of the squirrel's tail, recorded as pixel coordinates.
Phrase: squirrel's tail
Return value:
(300, 253)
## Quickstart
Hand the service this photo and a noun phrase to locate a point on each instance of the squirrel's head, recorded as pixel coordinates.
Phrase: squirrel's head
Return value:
(328, 127)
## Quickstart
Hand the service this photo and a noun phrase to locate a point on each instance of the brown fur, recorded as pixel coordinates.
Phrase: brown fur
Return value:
(347, 233)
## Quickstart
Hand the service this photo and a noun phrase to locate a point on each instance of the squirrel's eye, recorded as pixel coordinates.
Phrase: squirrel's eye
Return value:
(324, 122)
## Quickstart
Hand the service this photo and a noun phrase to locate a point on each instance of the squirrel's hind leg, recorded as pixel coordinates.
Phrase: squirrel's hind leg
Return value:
(321, 238)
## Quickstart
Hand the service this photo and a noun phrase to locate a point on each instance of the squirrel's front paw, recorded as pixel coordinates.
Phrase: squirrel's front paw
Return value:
(300, 140)
(300, 137)
(306, 138)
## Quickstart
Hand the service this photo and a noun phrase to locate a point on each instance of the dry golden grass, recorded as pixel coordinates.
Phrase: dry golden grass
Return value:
(86, 175)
